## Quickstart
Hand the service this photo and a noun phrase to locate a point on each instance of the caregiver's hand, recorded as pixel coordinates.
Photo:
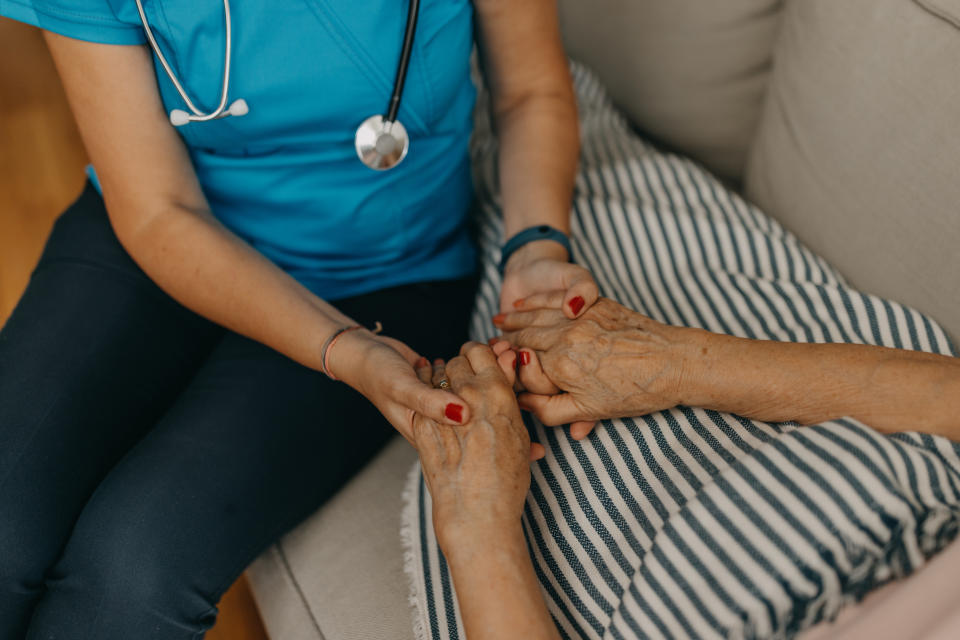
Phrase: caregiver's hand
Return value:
(382, 369)
(542, 266)
(611, 362)
(479, 473)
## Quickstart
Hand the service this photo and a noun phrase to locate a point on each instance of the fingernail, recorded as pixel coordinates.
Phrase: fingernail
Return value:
(454, 412)
(422, 362)
(438, 362)
(492, 341)
(517, 304)
(576, 305)
(499, 318)
(524, 357)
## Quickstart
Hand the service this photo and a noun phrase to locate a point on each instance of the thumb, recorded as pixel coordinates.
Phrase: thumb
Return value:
(552, 411)
(580, 296)
(403, 349)
(441, 406)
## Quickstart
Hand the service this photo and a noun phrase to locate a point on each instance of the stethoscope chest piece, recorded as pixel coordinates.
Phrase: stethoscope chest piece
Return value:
(381, 145)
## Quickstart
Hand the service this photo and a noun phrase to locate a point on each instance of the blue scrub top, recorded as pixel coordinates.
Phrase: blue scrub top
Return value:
(286, 177)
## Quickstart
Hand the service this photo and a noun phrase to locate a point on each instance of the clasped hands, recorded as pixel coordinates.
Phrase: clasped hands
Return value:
(608, 362)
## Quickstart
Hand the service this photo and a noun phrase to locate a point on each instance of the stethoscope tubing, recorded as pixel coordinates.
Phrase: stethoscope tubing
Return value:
(409, 33)
(198, 116)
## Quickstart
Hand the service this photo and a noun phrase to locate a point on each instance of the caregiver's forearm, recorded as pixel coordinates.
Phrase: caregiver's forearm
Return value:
(209, 270)
(496, 587)
(889, 389)
(539, 146)
(159, 213)
(534, 110)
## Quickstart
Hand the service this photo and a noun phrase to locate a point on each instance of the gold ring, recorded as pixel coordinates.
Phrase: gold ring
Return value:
(443, 384)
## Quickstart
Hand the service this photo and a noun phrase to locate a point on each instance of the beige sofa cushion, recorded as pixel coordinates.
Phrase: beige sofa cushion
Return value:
(858, 150)
(339, 575)
(690, 73)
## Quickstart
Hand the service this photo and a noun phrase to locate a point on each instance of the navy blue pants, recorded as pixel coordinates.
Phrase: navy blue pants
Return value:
(148, 455)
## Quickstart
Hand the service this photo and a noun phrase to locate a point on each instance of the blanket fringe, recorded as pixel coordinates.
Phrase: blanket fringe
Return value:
(408, 539)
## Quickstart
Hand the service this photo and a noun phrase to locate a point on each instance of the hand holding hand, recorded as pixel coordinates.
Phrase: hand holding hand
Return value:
(542, 267)
(610, 362)
(382, 369)
(478, 473)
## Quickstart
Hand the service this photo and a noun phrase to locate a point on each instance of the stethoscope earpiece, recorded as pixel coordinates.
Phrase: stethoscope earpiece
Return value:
(239, 107)
(179, 117)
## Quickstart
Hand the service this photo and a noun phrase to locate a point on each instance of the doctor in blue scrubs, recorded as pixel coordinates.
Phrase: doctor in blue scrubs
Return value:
(194, 367)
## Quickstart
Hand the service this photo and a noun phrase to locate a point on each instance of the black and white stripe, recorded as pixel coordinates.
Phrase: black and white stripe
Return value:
(691, 523)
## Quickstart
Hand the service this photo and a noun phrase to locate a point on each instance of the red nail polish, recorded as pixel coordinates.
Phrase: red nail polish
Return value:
(499, 318)
(517, 304)
(422, 362)
(576, 305)
(524, 357)
(454, 412)
(438, 362)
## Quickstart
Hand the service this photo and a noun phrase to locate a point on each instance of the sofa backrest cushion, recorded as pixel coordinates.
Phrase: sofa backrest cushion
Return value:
(690, 74)
(858, 150)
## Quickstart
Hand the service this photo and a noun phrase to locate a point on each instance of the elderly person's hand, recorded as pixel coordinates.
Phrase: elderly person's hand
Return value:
(478, 473)
(610, 362)
(613, 362)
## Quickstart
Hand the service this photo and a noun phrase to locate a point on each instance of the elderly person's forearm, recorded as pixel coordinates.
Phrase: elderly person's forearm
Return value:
(496, 586)
(889, 389)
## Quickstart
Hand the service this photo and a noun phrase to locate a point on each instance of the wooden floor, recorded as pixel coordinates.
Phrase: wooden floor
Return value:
(41, 171)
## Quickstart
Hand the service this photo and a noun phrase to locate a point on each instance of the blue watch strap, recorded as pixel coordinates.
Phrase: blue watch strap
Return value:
(539, 232)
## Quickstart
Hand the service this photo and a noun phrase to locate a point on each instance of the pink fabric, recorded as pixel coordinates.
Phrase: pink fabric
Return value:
(925, 606)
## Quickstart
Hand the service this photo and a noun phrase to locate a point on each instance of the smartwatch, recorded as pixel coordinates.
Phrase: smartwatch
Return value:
(532, 234)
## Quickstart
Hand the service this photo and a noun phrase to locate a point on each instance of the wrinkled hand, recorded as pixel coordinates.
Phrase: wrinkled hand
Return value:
(609, 363)
(382, 369)
(478, 473)
(542, 267)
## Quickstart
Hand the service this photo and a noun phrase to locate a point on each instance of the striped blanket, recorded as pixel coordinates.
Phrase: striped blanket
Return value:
(690, 523)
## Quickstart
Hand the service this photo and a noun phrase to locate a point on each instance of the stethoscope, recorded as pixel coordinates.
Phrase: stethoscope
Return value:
(381, 140)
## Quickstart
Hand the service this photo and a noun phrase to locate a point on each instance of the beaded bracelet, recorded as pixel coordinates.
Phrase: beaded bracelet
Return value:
(328, 345)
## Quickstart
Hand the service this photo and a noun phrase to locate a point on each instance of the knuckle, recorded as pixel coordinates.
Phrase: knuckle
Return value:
(423, 405)
(502, 395)
(469, 391)
(566, 367)
(602, 342)
(581, 332)
(474, 348)
(519, 337)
